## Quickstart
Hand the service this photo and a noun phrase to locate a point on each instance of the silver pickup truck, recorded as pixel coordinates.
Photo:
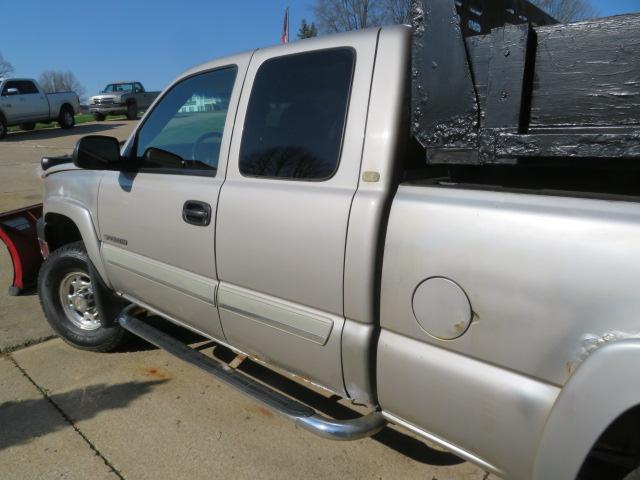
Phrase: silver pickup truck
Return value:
(120, 98)
(283, 202)
(24, 103)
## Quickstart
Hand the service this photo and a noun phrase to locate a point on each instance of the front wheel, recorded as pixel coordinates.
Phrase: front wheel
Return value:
(68, 298)
(66, 119)
(99, 117)
(132, 111)
(3, 127)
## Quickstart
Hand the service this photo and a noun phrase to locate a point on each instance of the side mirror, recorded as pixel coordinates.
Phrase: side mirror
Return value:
(11, 91)
(96, 152)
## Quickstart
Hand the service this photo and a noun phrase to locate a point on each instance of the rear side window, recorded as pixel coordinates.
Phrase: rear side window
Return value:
(296, 116)
(27, 88)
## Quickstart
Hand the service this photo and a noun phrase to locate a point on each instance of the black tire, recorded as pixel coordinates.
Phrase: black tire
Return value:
(66, 119)
(100, 333)
(99, 117)
(3, 127)
(132, 111)
(28, 126)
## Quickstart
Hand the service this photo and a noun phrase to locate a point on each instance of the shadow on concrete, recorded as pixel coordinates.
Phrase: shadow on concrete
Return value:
(402, 443)
(24, 421)
(56, 132)
(136, 344)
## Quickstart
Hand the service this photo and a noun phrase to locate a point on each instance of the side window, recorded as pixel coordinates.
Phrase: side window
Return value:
(11, 84)
(138, 88)
(296, 115)
(184, 130)
(27, 88)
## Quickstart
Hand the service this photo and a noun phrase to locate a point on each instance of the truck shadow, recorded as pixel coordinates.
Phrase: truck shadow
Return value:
(26, 420)
(390, 437)
(56, 132)
(401, 442)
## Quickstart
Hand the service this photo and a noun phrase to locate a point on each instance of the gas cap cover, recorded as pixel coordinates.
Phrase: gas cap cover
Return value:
(442, 308)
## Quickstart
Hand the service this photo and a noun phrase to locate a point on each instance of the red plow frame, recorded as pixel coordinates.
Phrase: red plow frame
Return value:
(19, 233)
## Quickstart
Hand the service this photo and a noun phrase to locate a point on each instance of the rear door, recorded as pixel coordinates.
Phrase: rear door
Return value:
(37, 105)
(157, 224)
(284, 207)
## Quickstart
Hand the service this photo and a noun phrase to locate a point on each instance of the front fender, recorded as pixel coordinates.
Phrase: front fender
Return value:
(603, 387)
(81, 216)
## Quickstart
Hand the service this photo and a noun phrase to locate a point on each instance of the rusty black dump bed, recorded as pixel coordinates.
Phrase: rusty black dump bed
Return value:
(499, 81)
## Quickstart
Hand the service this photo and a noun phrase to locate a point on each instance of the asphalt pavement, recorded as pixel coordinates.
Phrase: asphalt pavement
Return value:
(141, 414)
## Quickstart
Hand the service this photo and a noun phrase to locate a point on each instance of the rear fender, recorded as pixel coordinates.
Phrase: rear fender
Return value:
(603, 387)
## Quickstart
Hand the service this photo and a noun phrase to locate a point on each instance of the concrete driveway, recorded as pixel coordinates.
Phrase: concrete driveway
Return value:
(141, 414)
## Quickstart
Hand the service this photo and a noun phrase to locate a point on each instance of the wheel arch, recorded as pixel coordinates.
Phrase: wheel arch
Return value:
(72, 222)
(66, 105)
(601, 390)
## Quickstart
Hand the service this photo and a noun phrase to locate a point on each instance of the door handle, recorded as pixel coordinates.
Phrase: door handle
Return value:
(197, 213)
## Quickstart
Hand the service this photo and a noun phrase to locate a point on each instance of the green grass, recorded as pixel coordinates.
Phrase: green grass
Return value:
(80, 118)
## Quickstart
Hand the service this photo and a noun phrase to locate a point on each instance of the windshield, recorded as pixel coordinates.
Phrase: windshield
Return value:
(118, 87)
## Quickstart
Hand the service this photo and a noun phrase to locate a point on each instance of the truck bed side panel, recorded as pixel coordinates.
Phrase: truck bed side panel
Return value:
(540, 274)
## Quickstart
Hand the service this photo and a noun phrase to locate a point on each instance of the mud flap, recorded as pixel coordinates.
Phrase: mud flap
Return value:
(18, 232)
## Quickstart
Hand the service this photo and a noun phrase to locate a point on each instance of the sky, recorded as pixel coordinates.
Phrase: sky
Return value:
(150, 41)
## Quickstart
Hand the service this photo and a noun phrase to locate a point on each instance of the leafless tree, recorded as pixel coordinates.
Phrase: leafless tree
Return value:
(343, 15)
(567, 10)
(53, 81)
(398, 11)
(5, 66)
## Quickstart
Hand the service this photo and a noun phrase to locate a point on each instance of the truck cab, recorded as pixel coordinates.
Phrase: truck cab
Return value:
(276, 202)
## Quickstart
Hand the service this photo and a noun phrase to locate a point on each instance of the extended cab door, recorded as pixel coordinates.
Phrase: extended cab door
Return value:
(284, 207)
(157, 223)
(14, 106)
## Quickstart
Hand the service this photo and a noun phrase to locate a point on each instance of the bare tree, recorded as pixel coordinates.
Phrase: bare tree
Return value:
(567, 10)
(53, 81)
(398, 11)
(5, 66)
(343, 15)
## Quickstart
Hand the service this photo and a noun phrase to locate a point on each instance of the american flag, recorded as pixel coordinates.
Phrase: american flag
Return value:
(284, 38)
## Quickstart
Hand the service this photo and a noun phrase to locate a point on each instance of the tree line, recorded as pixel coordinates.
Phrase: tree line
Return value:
(51, 81)
(331, 16)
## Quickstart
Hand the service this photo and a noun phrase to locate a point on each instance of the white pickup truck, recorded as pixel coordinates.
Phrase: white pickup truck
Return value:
(23, 102)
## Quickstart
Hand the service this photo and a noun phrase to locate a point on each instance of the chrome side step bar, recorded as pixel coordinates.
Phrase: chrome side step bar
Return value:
(301, 414)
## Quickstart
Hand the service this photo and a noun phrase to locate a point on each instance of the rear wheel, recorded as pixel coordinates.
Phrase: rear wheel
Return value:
(28, 126)
(99, 117)
(66, 118)
(3, 127)
(69, 294)
(132, 111)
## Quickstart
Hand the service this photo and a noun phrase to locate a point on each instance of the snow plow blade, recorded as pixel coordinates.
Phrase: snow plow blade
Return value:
(18, 230)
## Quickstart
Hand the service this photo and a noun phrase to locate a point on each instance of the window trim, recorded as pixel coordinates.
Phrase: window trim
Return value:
(344, 125)
(131, 154)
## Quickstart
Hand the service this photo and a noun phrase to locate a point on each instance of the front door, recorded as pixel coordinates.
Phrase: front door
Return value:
(157, 224)
(284, 208)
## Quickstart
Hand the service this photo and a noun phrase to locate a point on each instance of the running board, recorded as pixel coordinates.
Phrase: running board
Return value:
(299, 413)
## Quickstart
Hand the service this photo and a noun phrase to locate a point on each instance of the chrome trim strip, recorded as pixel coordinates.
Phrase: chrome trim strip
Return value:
(296, 411)
(470, 457)
(275, 313)
(184, 281)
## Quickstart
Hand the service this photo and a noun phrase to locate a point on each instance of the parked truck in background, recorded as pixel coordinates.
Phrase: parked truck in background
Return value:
(441, 223)
(121, 98)
(23, 102)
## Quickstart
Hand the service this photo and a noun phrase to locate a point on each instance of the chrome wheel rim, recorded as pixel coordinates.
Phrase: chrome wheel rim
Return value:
(78, 302)
(68, 118)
